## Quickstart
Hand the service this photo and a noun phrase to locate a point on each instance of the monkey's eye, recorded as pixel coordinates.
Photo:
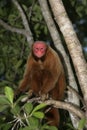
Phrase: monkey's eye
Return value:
(41, 49)
(36, 49)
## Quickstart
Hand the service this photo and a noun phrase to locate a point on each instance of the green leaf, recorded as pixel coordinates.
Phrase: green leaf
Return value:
(2, 66)
(40, 106)
(81, 124)
(36, 26)
(9, 75)
(38, 115)
(34, 122)
(15, 110)
(18, 64)
(84, 2)
(3, 107)
(5, 126)
(28, 108)
(26, 128)
(3, 100)
(45, 30)
(9, 94)
(45, 127)
(53, 128)
(48, 127)
(69, 126)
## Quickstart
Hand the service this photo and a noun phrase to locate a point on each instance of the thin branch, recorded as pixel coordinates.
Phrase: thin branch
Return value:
(23, 16)
(25, 22)
(12, 29)
(31, 8)
(67, 106)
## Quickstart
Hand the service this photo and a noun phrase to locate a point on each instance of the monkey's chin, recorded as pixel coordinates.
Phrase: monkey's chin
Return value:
(39, 56)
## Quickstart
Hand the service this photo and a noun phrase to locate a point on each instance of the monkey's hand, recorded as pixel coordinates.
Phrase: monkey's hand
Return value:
(43, 96)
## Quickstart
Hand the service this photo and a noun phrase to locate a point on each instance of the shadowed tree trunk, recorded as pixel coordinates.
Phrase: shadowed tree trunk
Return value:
(73, 44)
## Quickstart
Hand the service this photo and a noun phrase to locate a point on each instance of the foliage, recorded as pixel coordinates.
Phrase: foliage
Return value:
(81, 125)
(24, 116)
(80, 6)
(12, 59)
(21, 117)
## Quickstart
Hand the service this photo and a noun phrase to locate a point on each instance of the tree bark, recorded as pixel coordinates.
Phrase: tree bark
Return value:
(73, 44)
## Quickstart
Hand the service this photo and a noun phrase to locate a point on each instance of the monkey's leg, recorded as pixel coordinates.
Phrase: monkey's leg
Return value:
(53, 117)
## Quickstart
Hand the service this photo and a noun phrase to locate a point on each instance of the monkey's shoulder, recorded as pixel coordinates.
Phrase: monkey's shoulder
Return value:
(53, 55)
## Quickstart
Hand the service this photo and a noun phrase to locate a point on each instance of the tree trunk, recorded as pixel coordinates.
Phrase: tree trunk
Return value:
(73, 44)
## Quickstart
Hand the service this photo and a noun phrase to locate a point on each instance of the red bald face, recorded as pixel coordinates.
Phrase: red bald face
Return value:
(39, 49)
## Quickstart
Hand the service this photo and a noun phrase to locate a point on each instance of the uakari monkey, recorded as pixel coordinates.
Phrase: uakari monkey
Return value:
(44, 74)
